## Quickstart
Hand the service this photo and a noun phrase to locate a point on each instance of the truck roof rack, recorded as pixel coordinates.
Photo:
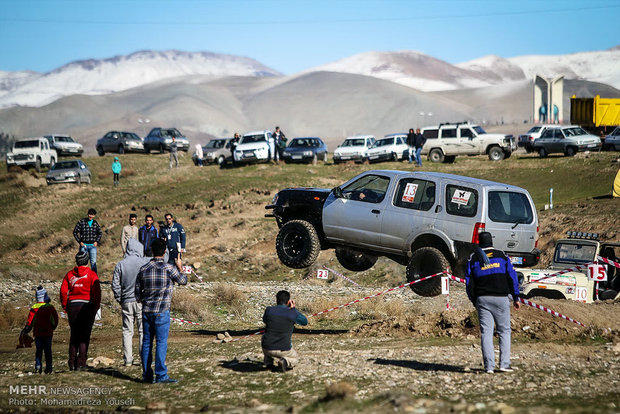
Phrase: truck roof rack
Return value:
(455, 123)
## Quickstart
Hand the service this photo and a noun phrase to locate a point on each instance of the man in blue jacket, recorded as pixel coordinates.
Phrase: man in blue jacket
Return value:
(491, 281)
(279, 321)
(146, 235)
(174, 234)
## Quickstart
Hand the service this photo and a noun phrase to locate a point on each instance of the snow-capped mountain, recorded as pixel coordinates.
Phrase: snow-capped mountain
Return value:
(95, 77)
(410, 68)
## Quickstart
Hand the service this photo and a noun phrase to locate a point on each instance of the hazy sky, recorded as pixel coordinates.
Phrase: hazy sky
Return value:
(290, 36)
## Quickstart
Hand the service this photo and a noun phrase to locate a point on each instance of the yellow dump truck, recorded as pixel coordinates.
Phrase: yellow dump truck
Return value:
(595, 114)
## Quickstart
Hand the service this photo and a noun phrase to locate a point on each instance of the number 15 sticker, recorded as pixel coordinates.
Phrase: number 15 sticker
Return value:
(597, 272)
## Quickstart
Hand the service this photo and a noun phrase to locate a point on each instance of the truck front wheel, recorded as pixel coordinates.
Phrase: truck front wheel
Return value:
(298, 244)
(496, 154)
(427, 261)
(354, 260)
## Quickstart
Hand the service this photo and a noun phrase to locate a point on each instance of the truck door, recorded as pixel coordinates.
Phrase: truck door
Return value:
(410, 211)
(355, 217)
(450, 141)
(469, 141)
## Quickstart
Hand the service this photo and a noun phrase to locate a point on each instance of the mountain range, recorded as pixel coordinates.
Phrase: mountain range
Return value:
(208, 94)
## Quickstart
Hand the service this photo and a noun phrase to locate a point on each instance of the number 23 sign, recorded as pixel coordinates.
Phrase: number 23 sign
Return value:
(597, 272)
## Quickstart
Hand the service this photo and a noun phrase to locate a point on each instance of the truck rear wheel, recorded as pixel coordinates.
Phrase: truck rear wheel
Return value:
(427, 261)
(298, 244)
(436, 155)
(354, 260)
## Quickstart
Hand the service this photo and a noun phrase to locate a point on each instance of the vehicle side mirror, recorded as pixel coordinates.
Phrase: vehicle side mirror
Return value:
(337, 191)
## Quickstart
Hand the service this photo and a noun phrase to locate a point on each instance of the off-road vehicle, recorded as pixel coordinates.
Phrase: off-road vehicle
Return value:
(253, 147)
(426, 221)
(446, 141)
(577, 249)
(32, 152)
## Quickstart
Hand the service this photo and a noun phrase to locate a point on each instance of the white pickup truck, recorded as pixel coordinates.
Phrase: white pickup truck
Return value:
(32, 152)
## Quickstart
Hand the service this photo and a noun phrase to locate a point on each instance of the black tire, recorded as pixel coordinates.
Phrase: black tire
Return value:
(394, 157)
(221, 160)
(100, 151)
(570, 151)
(436, 155)
(298, 244)
(121, 149)
(161, 148)
(354, 260)
(37, 164)
(450, 159)
(425, 262)
(608, 294)
(496, 153)
(542, 152)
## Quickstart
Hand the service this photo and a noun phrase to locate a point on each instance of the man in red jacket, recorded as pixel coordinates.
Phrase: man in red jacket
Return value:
(80, 295)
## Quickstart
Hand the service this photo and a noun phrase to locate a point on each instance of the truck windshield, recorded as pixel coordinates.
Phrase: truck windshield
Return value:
(353, 142)
(567, 252)
(252, 138)
(510, 207)
(27, 144)
(479, 130)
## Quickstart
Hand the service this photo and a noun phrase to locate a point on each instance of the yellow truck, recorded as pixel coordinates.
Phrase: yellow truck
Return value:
(595, 114)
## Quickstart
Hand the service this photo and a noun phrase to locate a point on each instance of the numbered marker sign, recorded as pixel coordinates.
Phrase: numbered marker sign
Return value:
(409, 193)
(187, 270)
(445, 285)
(322, 274)
(597, 272)
(581, 294)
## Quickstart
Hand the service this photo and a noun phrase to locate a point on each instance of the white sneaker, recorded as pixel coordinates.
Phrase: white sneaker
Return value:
(489, 371)
(508, 369)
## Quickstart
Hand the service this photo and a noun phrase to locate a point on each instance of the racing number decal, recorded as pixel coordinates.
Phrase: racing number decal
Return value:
(445, 286)
(187, 269)
(581, 294)
(409, 193)
(322, 274)
(597, 272)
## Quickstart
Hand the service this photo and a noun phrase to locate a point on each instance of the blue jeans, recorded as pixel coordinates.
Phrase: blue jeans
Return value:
(418, 158)
(155, 326)
(92, 255)
(43, 344)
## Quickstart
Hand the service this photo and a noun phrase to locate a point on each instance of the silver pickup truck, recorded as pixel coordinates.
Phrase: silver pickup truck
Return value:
(426, 221)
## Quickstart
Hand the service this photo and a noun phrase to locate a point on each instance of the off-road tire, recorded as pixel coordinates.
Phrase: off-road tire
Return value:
(37, 164)
(425, 262)
(394, 157)
(298, 244)
(608, 294)
(100, 151)
(542, 152)
(450, 159)
(354, 260)
(570, 151)
(496, 153)
(436, 155)
(121, 149)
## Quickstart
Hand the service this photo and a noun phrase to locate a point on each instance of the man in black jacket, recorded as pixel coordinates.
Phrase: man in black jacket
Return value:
(418, 143)
(88, 234)
(411, 144)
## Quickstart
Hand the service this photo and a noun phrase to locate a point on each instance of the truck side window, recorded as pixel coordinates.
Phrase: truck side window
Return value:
(431, 133)
(415, 194)
(461, 201)
(466, 133)
(369, 189)
(448, 133)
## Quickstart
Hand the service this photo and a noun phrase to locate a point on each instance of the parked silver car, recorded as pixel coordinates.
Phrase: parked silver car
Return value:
(568, 139)
(159, 139)
(216, 151)
(70, 171)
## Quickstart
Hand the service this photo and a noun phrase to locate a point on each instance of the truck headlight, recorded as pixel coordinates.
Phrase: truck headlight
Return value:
(30, 156)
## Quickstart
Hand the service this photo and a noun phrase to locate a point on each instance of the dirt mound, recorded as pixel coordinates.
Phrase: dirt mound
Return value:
(600, 320)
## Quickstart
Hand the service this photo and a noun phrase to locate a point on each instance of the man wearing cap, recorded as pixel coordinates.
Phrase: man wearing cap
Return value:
(491, 282)
(80, 296)
(88, 234)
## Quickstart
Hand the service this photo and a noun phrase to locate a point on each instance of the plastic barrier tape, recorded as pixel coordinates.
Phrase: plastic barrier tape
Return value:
(341, 275)
(609, 262)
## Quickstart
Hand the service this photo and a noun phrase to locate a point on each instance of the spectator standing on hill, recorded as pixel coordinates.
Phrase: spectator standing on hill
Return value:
(124, 289)
(174, 152)
(174, 235)
(276, 341)
(490, 280)
(154, 285)
(280, 142)
(411, 144)
(88, 234)
(80, 296)
(233, 145)
(43, 318)
(146, 235)
(116, 170)
(130, 231)
(199, 154)
(419, 143)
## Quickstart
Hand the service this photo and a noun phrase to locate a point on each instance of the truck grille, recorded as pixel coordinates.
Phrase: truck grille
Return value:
(20, 157)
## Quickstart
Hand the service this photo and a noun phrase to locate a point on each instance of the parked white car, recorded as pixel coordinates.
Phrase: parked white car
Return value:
(253, 147)
(65, 145)
(32, 152)
(389, 148)
(354, 148)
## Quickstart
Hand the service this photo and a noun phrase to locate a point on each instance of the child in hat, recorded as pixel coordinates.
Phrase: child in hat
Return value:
(116, 170)
(43, 319)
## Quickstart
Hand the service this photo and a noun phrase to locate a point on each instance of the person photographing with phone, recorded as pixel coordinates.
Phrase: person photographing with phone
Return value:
(279, 322)
(174, 235)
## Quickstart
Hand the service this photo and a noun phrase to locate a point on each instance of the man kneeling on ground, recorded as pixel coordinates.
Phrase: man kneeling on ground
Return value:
(279, 321)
